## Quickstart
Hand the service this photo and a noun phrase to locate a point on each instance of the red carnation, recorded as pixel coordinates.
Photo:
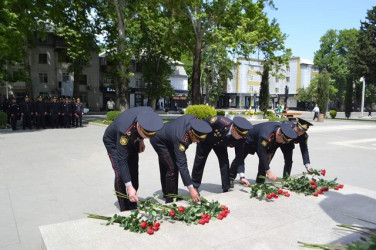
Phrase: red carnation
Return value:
(201, 221)
(336, 188)
(220, 217)
(340, 186)
(325, 189)
(269, 196)
(157, 224)
(143, 224)
(313, 182)
(319, 191)
(315, 194)
(181, 209)
(172, 213)
(280, 191)
(287, 194)
(155, 228)
(150, 231)
(323, 172)
(314, 186)
(274, 195)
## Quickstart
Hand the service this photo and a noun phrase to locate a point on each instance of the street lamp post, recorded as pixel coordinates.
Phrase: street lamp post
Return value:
(363, 93)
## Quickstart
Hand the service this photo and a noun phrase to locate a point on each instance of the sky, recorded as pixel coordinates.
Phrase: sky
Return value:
(306, 21)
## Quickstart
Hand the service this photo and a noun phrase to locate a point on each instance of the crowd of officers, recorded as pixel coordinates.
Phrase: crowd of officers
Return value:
(124, 138)
(44, 112)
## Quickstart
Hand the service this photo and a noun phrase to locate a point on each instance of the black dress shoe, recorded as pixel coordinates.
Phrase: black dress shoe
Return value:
(225, 190)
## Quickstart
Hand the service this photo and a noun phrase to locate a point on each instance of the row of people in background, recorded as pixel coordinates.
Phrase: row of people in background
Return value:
(42, 113)
(123, 140)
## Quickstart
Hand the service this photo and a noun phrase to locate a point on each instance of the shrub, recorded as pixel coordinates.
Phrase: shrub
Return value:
(259, 113)
(333, 113)
(251, 112)
(3, 119)
(269, 113)
(201, 111)
(111, 115)
(221, 112)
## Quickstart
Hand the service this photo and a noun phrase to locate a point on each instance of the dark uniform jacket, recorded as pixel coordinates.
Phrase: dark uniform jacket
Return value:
(14, 109)
(174, 135)
(221, 135)
(54, 108)
(260, 139)
(26, 108)
(122, 134)
(40, 107)
(302, 140)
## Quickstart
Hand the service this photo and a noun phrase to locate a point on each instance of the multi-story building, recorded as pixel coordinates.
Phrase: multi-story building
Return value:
(137, 97)
(48, 66)
(49, 76)
(243, 89)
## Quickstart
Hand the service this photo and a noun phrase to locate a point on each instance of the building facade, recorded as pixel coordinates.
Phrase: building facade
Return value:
(243, 89)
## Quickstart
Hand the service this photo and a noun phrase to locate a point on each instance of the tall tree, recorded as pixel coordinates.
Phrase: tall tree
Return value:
(323, 82)
(74, 21)
(264, 91)
(238, 25)
(334, 56)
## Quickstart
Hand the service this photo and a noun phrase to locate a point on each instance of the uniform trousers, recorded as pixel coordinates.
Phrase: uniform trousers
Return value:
(169, 172)
(202, 151)
(26, 121)
(119, 184)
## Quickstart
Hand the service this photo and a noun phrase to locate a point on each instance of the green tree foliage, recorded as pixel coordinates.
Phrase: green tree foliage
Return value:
(74, 21)
(155, 52)
(19, 22)
(334, 55)
(238, 26)
(264, 91)
(323, 83)
(367, 47)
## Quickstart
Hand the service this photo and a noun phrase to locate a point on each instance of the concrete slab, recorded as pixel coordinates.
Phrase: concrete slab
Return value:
(259, 224)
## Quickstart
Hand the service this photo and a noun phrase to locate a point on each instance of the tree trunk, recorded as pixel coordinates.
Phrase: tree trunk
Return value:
(76, 83)
(122, 89)
(196, 74)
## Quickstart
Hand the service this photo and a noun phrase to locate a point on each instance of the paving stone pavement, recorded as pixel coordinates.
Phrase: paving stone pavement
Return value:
(50, 178)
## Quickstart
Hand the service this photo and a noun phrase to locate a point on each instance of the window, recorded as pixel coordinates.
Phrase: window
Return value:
(43, 78)
(250, 88)
(277, 79)
(65, 77)
(287, 79)
(83, 80)
(43, 58)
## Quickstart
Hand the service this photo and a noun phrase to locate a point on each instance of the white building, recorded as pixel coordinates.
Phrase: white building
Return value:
(243, 90)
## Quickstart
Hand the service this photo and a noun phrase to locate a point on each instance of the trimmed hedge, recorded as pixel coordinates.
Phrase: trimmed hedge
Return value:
(221, 112)
(3, 119)
(201, 111)
(111, 115)
(333, 113)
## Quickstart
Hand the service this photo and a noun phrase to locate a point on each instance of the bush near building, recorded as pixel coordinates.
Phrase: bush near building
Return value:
(201, 111)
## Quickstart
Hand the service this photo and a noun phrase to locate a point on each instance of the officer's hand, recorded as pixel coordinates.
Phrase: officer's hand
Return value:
(194, 194)
(271, 175)
(309, 170)
(141, 147)
(132, 193)
(245, 182)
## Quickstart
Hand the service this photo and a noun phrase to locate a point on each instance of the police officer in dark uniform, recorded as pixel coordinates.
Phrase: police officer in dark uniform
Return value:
(14, 112)
(170, 143)
(300, 127)
(263, 139)
(225, 133)
(123, 140)
(26, 112)
(40, 112)
(67, 113)
(55, 112)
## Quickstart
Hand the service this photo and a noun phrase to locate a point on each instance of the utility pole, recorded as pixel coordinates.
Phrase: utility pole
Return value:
(363, 94)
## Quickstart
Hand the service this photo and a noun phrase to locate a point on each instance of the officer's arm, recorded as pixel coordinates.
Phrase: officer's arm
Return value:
(239, 159)
(305, 154)
(123, 153)
(181, 163)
